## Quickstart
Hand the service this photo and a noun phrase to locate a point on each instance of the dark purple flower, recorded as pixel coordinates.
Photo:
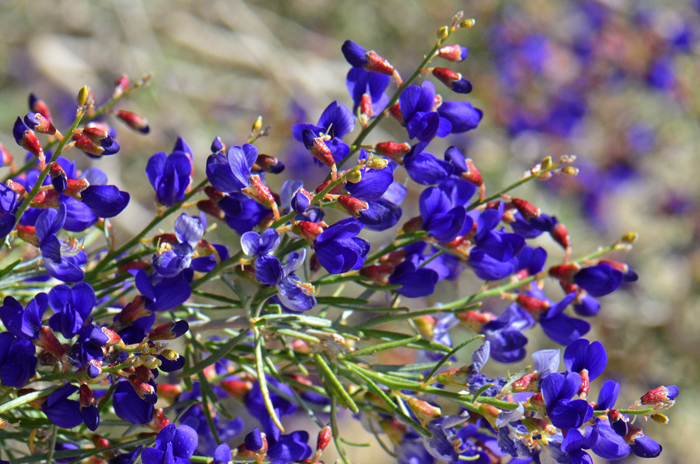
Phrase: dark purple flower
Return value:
(174, 445)
(256, 406)
(170, 175)
(105, 201)
(294, 295)
(24, 323)
(222, 454)
(166, 294)
(62, 411)
(360, 82)
(441, 217)
(416, 282)
(17, 360)
(560, 327)
(599, 280)
(62, 260)
(231, 172)
(565, 413)
(581, 354)
(505, 334)
(417, 108)
(268, 268)
(336, 121)
(461, 115)
(424, 168)
(339, 249)
(129, 406)
(290, 447)
(72, 307)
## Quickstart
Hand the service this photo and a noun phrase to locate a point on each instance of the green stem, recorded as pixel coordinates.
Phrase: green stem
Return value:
(336, 431)
(260, 370)
(24, 399)
(52, 445)
(40, 180)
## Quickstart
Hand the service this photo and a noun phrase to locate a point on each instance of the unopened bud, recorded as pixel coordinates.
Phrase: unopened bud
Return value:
(59, 179)
(424, 411)
(629, 237)
(443, 32)
(564, 272)
(259, 192)
(393, 150)
(468, 23)
(472, 175)
(379, 273)
(532, 304)
(120, 86)
(354, 177)
(546, 164)
(268, 163)
(527, 209)
(317, 147)
(83, 95)
(395, 111)
(659, 418)
(324, 438)
(352, 205)
(377, 163)
(134, 121)
(169, 331)
(570, 170)
(257, 125)
(475, 320)
(561, 235)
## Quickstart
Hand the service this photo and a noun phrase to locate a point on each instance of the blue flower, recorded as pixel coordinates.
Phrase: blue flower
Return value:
(256, 407)
(461, 116)
(290, 447)
(560, 327)
(174, 445)
(293, 294)
(171, 259)
(62, 260)
(129, 406)
(17, 360)
(505, 334)
(62, 411)
(268, 268)
(222, 454)
(360, 83)
(339, 249)
(425, 168)
(599, 280)
(170, 175)
(72, 308)
(231, 172)
(166, 294)
(565, 413)
(24, 323)
(336, 122)
(582, 355)
(358, 57)
(441, 217)
(417, 109)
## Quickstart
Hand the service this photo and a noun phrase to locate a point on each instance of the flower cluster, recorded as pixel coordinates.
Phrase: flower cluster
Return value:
(101, 354)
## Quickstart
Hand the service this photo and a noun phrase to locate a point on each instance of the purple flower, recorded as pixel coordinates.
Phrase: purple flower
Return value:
(17, 360)
(62, 260)
(256, 407)
(599, 280)
(290, 447)
(565, 413)
(424, 168)
(441, 217)
(336, 121)
(560, 327)
(62, 411)
(170, 175)
(126, 458)
(24, 323)
(460, 115)
(222, 454)
(360, 82)
(231, 172)
(172, 259)
(174, 445)
(339, 249)
(268, 268)
(105, 201)
(417, 108)
(493, 256)
(505, 334)
(72, 308)
(581, 354)
(166, 294)
(416, 282)
(294, 295)
(129, 406)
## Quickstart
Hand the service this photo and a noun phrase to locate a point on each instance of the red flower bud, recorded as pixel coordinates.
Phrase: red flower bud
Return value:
(393, 150)
(472, 175)
(352, 205)
(564, 272)
(259, 192)
(309, 230)
(376, 63)
(120, 86)
(134, 310)
(395, 111)
(378, 273)
(527, 209)
(324, 438)
(134, 121)
(475, 320)
(561, 236)
(532, 304)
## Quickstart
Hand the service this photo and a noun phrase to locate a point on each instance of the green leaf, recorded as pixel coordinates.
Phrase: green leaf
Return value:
(450, 354)
(382, 347)
(341, 300)
(24, 399)
(260, 369)
(10, 267)
(214, 357)
(335, 383)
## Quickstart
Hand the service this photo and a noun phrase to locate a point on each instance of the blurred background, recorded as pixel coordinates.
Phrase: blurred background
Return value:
(613, 82)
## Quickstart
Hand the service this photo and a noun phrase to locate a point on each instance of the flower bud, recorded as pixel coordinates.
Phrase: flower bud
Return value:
(168, 392)
(259, 192)
(120, 86)
(570, 170)
(472, 175)
(413, 225)
(134, 121)
(94, 368)
(564, 272)
(424, 411)
(475, 320)
(358, 57)
(443, 33)
(237, 388)
(59, 180)
(49, 342)
(532, 304)
(660, 396)
(38, 106)
(257, 125)
(83, 95)
(393, 150)
(28, 234)
(317, 147)
(468, 23)
(352, 205)
(169, 331)
(453, 80)
(527, 209)
(425, 325)
(560, 235)
(365, 107)
(268, 163)
(324, 438)
(160, 421)
(659, 418)
(455, 377)
(454, 53)
(134, 310)
(38, 123)
(378, 273)
(527, 383)
(395, 111)
(26, 138)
